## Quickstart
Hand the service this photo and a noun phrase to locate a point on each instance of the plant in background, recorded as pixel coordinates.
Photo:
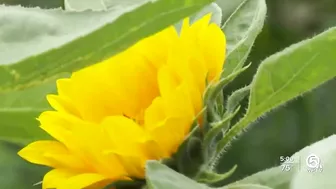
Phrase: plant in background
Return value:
(144, 106)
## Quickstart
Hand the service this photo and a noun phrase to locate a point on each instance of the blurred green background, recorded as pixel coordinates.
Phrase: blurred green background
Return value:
(301, 122)
(280, 133)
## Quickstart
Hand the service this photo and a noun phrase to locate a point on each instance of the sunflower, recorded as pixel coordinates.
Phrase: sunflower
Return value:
(139, 105)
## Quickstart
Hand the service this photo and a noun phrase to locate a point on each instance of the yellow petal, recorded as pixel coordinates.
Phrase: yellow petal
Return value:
(167, 80)
(123, 130)
(56, 156)
(212, 42)
(82, 181)
(153, 150)
(131, 82)
(191, 32)
(55, 177)
(139, 86)
(92, 141)
(201, 23)
(155, 48)
(185, 26)
(92, 95)
(59, 125)
(179, 102)
(155, 113)
(64, 87)
(170, 134)
(62, 104)
(134, 165)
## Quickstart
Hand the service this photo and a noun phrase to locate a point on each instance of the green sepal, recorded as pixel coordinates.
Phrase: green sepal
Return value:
(213, 91)
(236, 97)
(210, 177)
(217, 129)
(189, 156)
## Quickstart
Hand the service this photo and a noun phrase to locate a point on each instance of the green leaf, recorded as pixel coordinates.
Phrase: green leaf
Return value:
(286, 75)
(18, 113)
(300, 175)
(49, 29)
(20, 126)
(275, 178)
(216, 14)
(228, 7)
(103, 43)
(213, 8)
(19, 110)
(159, 176)
(241, 30)
(321, 157)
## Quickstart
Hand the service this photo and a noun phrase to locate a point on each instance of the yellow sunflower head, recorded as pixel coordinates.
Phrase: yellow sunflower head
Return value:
(139, 105)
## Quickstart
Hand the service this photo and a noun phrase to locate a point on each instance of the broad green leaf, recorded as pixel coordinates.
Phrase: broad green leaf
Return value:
(213, 9)
(20, 125)
(317, 166)
(44, 30)
(286, 75)
(103, 43)
(275, 178)
(300, 175)
(216, 14)
(241, 29)
(160, 176)
(228, 7)
(19, 110)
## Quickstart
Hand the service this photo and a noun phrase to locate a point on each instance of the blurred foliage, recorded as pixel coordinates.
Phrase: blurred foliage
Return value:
(282, 132)
(15, 172)
(301, 122)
